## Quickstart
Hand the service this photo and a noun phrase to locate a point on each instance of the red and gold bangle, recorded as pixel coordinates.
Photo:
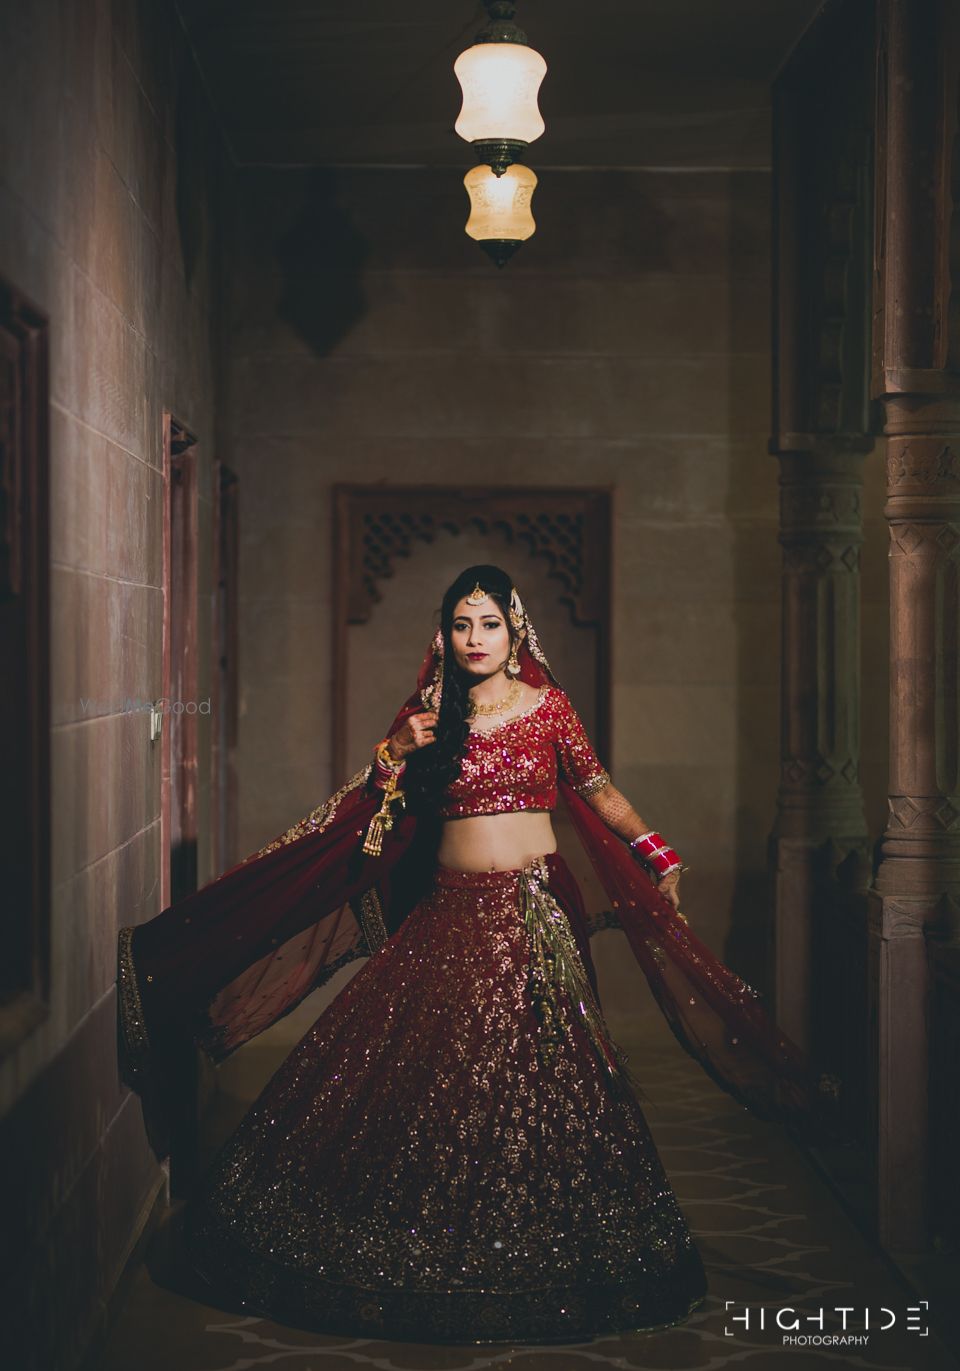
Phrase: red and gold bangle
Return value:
(654, 853)
(384, 767)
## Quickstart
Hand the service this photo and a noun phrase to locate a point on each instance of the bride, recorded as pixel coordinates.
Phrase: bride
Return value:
(456, 1150)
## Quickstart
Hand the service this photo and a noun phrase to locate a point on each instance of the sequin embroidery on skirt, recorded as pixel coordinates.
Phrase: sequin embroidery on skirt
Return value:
(419, 1168)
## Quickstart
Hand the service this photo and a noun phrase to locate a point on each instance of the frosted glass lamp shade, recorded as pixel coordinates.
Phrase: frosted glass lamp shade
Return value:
(500, 216)
(500, 82)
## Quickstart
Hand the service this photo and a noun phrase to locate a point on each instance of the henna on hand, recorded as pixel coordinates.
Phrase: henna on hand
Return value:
(617, 812)
(419, 730)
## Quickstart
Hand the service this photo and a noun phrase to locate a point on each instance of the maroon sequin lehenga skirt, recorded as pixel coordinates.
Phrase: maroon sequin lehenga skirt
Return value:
(419, 1169)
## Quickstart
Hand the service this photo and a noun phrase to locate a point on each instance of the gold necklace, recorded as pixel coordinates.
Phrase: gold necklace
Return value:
(498, 706)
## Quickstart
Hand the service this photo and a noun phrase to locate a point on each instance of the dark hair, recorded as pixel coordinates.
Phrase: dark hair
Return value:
(431, 769)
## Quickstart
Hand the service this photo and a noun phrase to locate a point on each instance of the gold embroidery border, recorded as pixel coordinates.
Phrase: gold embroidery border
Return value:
(318, 819)
(133, 1028)
(369, 912)
(594, 785)
(135, 1040)
(273, 1289)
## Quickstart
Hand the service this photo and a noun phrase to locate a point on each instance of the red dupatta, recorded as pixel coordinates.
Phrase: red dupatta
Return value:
(231, 959)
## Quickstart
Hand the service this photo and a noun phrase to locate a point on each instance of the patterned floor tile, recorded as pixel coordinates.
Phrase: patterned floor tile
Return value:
(772, 1235)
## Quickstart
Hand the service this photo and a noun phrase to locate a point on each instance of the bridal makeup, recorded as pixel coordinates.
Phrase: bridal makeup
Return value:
(480, 637)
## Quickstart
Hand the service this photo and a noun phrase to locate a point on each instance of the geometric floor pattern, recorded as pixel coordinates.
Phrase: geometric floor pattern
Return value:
(771, 1232)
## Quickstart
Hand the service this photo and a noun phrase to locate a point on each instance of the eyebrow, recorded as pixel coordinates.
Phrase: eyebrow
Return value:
(491, 614)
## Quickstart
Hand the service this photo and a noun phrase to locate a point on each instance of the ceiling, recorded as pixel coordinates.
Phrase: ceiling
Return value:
(629, 82)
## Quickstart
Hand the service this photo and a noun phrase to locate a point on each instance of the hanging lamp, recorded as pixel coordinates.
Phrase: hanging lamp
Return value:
(500, 216)
(500, 77)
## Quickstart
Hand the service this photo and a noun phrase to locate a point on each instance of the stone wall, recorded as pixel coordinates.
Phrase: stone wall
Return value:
(108, 171)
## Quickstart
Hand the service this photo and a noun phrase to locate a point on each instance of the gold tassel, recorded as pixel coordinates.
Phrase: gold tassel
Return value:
(373, 842)
(555, 963)
(383, 820)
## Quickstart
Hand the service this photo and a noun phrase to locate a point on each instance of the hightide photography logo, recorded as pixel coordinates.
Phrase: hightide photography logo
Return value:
(840, 1326)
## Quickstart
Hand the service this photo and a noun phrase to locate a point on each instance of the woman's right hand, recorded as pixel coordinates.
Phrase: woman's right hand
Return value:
(419, 730)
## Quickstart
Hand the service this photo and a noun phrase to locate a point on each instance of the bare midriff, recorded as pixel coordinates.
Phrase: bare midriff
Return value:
(496, 842)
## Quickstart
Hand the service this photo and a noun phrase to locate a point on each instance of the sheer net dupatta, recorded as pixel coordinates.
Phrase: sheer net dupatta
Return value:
(229, 960)
(716, 1017)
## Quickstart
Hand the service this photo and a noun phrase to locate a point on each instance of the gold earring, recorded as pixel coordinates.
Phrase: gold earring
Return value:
(513, 666)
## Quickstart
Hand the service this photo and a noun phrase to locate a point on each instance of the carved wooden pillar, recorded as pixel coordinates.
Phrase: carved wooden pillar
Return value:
(917, 379)
(821, 430)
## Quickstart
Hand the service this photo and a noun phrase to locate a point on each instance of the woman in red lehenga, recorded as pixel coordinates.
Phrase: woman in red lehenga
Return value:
(455, 1151)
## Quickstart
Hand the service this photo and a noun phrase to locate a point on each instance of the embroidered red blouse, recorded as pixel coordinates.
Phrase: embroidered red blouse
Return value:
(515, 764)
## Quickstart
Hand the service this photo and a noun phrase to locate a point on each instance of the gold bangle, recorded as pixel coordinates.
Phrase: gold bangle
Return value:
(383, 753)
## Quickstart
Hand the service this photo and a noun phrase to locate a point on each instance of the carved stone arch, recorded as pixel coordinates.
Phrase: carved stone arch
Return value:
(568, 527)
